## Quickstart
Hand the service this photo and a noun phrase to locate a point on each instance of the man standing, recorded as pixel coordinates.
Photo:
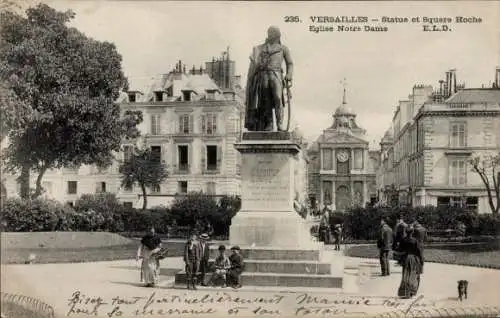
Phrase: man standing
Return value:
(384, 244)
(400, 232)
(192, 256)
(205, 256)
(265, 83)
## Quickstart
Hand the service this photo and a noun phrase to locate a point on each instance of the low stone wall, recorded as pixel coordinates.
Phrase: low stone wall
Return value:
(20, 306)
(15, 240)
(481, 311)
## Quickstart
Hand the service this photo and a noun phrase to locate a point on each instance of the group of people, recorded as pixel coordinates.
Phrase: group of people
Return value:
(407, 243)
(227, 270)
(326, 232)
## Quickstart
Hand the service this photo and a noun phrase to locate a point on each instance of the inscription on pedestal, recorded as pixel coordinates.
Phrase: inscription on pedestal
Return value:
(266, 182)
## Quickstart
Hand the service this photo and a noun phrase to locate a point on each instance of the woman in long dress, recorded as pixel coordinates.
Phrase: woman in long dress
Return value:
(150, 266)
(413, 264)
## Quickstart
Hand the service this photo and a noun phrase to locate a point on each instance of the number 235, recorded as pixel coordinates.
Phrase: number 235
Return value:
(292, 19)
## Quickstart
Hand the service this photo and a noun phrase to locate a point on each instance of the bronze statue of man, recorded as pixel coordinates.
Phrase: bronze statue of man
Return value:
(265, 83)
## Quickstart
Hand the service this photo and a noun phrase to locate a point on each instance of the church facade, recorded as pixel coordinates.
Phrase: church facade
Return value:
(342, 168)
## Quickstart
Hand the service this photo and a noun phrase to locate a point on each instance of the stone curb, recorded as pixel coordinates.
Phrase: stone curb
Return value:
(24, 306)
(482, 311)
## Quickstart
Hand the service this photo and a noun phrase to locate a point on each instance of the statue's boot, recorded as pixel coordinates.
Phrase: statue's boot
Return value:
(279, 119)
(193, 282)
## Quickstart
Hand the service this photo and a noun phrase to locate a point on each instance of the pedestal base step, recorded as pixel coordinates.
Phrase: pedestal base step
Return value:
(287, 267)
(278, 280)
(273, 254)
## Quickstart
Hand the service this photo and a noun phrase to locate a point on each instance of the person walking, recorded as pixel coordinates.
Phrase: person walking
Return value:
(192, 256)
(325, 227)
(384, 244)
(150, 265)
(413, 264)
(205, 256)
(337, 232)
(400, 232)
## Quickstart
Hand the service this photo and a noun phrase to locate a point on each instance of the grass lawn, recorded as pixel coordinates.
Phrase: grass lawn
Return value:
(77, 247)
(469, 254)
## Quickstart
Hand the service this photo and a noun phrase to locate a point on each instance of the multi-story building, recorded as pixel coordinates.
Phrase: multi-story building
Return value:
(435, 133)
(342, 168)
(189, 121)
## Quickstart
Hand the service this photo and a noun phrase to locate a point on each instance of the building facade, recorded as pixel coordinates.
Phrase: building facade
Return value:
(191, 124)
(342, 168)
(434, 135)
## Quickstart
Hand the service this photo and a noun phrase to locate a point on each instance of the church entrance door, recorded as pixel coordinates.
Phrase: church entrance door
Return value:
(343, 198)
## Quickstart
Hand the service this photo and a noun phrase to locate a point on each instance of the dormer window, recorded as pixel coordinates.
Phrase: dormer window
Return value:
(186, 95)
(159, 96)
(211, 94)
(131, 98)
(170, 91)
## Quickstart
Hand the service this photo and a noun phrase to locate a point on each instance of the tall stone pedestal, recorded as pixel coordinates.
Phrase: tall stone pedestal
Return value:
(267, 217)
(275, 241)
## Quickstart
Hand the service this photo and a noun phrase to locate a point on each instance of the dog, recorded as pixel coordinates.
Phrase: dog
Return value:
(462, 289)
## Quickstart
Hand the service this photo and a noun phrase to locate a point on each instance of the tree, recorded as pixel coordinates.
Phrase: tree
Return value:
(71, 83)
(143, 169)
(487, 167)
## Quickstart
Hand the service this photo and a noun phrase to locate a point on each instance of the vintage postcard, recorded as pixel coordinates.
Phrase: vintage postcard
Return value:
(250, 159)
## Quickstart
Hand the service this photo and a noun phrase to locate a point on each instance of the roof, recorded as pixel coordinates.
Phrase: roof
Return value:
(475, 95)
(344, 110)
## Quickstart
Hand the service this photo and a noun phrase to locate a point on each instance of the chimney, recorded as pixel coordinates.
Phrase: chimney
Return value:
(453, 82)
(497, 77)
(441, 87)
(184, 69)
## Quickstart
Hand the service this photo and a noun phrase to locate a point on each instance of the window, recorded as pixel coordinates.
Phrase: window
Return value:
(185, 124)
(183, 155)
(458, 135)
(128, 205)
(70, 203)
(211, 188)
(72, 187)
(170, 91)
(155, 125)
(131, 98)
(458, 172)
(186, 95)
(100, 187)
(156, 153)
(182, 186)
(127, 153)
(209, 124)
(159, 96)
(327, 159)
(211, 157)
(156, 189)
(358, 159)
(210, 95)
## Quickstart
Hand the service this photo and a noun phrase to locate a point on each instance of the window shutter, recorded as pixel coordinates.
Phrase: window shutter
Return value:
(189, 157)
(215, 124)
(203, 157)
(219, 156)
(97, 187)
(203, 124)
(191, 122)
(158, 124)
(153, 125)
(180, 128)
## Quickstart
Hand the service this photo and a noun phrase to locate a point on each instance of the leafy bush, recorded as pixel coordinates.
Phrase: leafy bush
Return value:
(364, 223)
(99, 212)
(36, 215)
(195, 206)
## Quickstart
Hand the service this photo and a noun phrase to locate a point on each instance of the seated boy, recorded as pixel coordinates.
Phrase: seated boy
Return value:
(237, 266)
(221, 265)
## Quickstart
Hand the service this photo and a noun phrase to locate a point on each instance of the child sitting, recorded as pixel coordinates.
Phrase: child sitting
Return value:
(222, 265)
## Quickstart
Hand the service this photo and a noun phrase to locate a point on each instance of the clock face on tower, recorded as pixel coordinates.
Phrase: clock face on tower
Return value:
(342, 156)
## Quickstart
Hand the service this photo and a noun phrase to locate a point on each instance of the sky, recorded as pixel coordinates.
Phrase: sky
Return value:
(380, 67)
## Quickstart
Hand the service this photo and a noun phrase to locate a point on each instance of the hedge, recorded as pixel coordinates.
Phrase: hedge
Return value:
(364, 223)
(104, 212)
